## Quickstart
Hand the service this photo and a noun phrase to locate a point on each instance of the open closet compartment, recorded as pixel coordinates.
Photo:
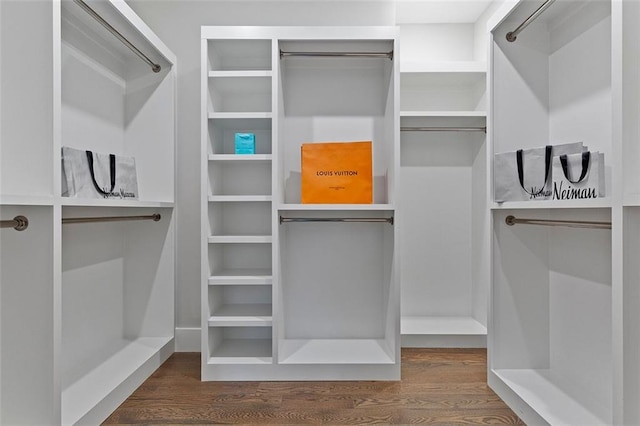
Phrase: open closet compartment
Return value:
(338, 284)
(553, 349)
(112, 101)
(551, 341)
(442, 213)
(260, 272)
(115, 301)
(117, 305)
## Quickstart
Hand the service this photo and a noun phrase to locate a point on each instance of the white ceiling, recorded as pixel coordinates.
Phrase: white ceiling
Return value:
(439, 11)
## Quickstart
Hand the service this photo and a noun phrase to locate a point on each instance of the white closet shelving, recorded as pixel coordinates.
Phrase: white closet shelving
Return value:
(94, 318)
(560, 344)
(443, 111)
(286, 301)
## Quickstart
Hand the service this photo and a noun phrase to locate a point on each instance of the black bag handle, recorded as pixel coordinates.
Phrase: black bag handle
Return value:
(586, 157)
(112, 172)
(547, 168)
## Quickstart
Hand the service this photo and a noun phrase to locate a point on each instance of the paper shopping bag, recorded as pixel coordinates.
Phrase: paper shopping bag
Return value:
(337, 173)
(87, 174)
(525, 174)
(578, 176)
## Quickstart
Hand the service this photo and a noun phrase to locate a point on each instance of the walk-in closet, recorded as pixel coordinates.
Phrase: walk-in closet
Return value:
(163, 258)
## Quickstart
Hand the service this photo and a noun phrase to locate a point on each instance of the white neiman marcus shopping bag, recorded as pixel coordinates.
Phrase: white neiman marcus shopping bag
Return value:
(87, 174)
(578, 176)
(525, 174)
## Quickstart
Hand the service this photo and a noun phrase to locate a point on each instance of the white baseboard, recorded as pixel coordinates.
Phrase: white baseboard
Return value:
(188, 339)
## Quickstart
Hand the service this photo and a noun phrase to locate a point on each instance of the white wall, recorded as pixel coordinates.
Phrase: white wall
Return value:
(177, 23)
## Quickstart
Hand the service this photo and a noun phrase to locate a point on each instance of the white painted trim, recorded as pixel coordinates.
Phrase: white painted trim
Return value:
(187, 339)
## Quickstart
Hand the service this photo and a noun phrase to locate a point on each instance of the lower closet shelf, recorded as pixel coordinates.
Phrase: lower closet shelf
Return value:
(98, 392)
(546, 393)
(433, 325)
(242, 315)
(242, 351)
(241, 276)
(335, 351)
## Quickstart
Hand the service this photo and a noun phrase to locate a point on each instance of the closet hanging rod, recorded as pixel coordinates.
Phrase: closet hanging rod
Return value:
(19, 223)
(66, 220)
(338, 219)
(511, 220)
(339, 54)
(512, 35)
(154, 67)
(443, 129)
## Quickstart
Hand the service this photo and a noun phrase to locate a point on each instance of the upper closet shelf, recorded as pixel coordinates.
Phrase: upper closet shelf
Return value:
(336, 207)
(429, 113)
(26, 200)
(101, 202)
(444, 66)
(239, 115)
(241, 157)
(240, 73)
(604, 202)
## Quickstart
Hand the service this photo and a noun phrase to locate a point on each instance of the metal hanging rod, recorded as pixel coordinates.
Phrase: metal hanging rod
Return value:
(66, 220)
(339, 54)
(338, 219)
(511, 220)
(512, 35)
(154, 67)
(443, 129)
(19, 223)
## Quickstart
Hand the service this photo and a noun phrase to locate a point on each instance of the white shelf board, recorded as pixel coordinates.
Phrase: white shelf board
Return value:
(242, 277)
(240, 239)
(546, 394)
(103, 382)
(443, 67)
(239, 198)
(604, 202)
(240, 73)
(101, 202)
(631, 200)
(242, 351)
(239, 115)
(26, 200)
(431, 325)
(437, 114)
(336, 207)
(334, 351)
(241, 157)
(241, 315)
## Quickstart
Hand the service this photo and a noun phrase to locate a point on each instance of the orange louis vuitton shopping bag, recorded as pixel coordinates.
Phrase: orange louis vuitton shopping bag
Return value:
(337, 173)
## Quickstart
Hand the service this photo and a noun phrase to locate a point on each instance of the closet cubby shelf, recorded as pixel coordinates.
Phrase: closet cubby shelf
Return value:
(242, 351)
(241, 277)
(240, 73)
(241, 157)
(230, 239)
(631, 200)
(241, 315)
(239, 115)
(598, 203)
(239, 198)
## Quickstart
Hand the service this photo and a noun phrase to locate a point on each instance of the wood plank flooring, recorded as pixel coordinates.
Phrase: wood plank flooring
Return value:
(438, 386)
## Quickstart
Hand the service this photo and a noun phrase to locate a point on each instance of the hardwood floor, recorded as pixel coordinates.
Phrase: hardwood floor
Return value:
(438, 386)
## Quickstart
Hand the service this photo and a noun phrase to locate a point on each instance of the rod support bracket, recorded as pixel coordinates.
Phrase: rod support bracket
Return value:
(511, 37)
(22, 223)
(510, 220)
